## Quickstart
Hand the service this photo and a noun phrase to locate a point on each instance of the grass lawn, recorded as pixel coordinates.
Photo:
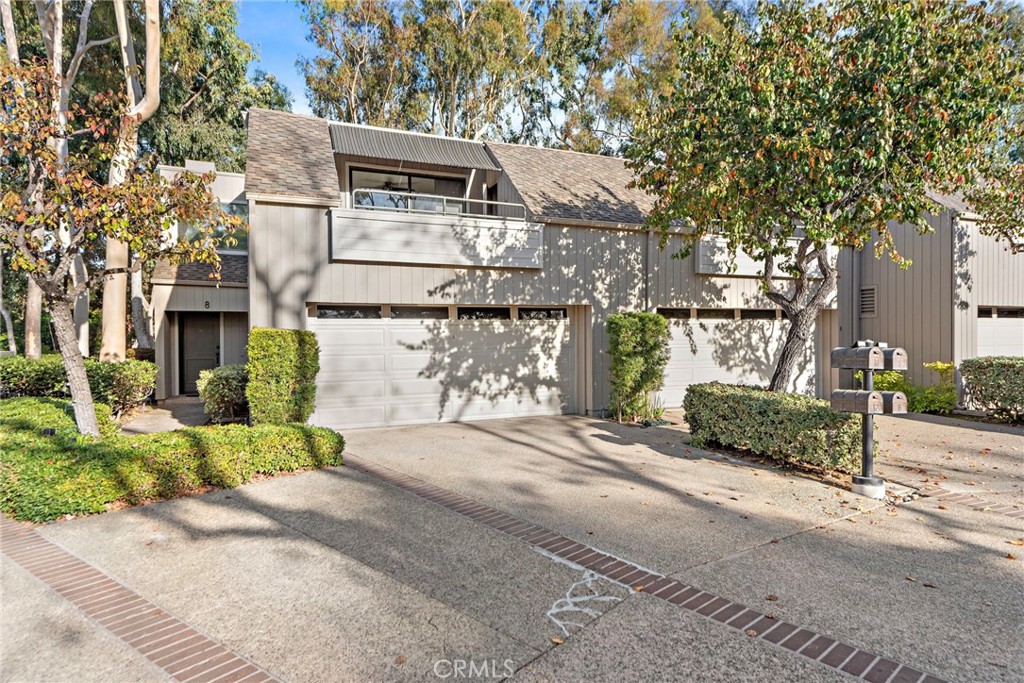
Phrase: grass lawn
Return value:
(44, 477)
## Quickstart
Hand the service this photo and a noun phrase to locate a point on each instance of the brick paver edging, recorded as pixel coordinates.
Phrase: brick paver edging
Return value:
(755, 624)
(969, 499)
(178, 649)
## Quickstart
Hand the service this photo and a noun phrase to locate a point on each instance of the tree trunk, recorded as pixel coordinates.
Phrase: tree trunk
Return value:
(33, 320)
(140, 313)
(801, 328)
(74, 366)
(115, 289)
(12, 343)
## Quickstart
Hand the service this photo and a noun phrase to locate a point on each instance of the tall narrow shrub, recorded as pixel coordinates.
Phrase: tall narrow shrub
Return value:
(639, 349)
(282, 371)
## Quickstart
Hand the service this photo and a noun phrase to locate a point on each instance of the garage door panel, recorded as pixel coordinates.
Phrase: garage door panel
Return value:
(351, 390)
(389, 372)
(1000, 336)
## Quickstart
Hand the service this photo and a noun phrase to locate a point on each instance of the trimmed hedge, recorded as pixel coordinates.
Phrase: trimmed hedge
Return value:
(639, 349)
(123, 386)
(784, 427)
(222, 391)
(996, 383)
(282, 375)
(44, 477)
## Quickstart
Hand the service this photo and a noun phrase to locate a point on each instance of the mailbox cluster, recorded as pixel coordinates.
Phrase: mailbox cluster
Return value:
(868, 356)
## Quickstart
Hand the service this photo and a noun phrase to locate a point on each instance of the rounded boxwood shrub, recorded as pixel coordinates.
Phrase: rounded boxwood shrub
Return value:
(783, 427)
(995, 383)
(222, 391)
(282, 371)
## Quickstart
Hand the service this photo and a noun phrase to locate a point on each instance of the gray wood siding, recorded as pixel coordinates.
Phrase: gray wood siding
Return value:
(190, 298)
(988, 274)
(914, 306)
(235, 335)
(603, 269)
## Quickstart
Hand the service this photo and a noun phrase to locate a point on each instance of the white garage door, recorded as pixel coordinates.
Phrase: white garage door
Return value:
(732, 351)
(1002, 336)
(377, 372)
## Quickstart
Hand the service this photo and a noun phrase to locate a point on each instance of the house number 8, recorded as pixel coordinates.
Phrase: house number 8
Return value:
(207, 304)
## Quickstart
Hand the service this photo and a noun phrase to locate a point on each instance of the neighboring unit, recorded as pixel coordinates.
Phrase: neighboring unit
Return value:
(962, 297)
(450, 279)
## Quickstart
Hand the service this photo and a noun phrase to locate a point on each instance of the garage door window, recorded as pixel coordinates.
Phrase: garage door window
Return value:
(675, 313)
(542, 313)
(419, 312)
(716, 313)
(484, 314)
(348, 312)
(757, 314)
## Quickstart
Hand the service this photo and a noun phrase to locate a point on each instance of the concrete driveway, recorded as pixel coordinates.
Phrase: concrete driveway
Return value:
(514, 547)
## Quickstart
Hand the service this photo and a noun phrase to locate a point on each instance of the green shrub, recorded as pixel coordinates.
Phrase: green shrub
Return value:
(123, 386)
(222, 391)
(44, 477)
(639, 349)
(996, 383)
(940, 398)
(282, 375)
(784, 427)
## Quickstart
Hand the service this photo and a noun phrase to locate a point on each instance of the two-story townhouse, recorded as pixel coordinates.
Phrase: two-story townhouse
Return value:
(451, 279)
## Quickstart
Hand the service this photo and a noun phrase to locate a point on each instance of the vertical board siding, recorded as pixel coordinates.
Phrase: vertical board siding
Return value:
(913, 305)
(236, 335)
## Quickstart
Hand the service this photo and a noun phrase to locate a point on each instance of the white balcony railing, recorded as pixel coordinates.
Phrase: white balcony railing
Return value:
(431, 204)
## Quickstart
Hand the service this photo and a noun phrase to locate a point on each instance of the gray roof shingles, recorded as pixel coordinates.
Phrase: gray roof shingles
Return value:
(289, 155)
(562, 184)
(234, 269)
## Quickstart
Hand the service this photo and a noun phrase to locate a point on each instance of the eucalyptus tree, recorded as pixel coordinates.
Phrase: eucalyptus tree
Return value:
(820, 127)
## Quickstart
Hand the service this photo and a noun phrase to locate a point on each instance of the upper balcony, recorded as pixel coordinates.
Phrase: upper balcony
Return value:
(386, 226)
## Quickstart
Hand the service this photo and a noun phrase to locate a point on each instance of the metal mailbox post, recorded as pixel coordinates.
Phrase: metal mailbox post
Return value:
(868, 356)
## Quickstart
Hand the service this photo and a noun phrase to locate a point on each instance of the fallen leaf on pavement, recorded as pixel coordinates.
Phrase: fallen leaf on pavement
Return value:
(400, 660)
(1017, 542)
(929, 585)
(752, 633)
(943, 507)
(638, 588)
(771, 598)
(1011, 556)
(557, 641)
(910, 578)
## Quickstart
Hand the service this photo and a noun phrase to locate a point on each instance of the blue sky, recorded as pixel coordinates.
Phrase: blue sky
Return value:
(276, 29)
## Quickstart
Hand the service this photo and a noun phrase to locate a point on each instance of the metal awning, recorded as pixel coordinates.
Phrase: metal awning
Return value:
(394, 145)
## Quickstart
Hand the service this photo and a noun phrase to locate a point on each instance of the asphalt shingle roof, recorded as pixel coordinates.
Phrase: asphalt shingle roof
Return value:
(290, 155)
(234, 269)
(561, 184)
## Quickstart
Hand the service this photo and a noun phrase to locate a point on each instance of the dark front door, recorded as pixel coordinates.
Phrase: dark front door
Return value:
(200, 347)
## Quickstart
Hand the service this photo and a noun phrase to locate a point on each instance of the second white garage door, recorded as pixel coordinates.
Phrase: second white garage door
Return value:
(1002, 336)
(388, 371)
(728, 350)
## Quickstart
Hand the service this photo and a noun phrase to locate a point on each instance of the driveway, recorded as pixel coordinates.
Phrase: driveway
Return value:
(517, 547)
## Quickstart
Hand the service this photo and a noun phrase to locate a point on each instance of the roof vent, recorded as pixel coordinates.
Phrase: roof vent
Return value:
(868, 301)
